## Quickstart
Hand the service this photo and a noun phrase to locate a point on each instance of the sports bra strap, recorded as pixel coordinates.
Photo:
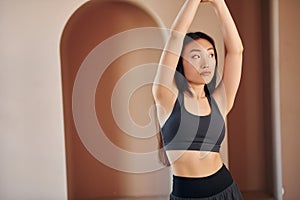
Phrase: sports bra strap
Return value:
(180, 98)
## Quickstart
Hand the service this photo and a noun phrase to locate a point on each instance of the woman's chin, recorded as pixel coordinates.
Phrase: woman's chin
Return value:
(197, 82)
(207, 80)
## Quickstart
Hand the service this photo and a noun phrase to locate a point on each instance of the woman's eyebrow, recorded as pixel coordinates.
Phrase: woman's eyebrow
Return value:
(193, 50)
(198, 50)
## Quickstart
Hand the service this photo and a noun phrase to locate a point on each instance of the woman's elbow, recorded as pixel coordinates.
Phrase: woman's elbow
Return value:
(241, 48)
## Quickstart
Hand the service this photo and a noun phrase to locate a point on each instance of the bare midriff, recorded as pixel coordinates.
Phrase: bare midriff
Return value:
(189, 163)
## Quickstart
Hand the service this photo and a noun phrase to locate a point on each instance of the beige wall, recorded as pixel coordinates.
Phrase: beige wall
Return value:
(32, 150)
(290, 96)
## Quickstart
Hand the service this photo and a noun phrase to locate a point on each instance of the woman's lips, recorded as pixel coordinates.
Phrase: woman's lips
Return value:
(206, 73)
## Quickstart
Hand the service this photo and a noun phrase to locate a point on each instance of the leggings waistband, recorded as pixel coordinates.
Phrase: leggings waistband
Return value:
(200, 187)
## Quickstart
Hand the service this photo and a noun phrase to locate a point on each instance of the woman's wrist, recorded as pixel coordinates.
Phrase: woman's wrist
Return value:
(219, 5)
(216, 3)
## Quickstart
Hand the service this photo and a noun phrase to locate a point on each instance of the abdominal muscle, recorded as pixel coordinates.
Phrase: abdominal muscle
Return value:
(187, 163)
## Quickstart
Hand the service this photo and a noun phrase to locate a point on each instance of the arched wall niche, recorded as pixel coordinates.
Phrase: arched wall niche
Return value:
(91, 24)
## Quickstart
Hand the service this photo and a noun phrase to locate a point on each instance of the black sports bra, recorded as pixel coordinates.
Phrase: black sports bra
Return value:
(186, 131)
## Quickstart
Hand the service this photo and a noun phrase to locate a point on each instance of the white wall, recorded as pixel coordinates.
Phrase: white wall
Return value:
(32, 150)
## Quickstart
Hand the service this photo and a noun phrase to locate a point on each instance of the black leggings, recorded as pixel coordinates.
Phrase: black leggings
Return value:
(219, 185)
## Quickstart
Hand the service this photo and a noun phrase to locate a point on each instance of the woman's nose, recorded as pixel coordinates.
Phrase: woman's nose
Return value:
(206, 62)
(205, 66)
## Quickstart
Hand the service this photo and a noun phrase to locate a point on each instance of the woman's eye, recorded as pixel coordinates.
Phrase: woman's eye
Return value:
(196, 56)
(211, 55)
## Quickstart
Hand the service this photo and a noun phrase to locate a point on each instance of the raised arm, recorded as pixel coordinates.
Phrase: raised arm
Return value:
(164, 88)
(233, 56)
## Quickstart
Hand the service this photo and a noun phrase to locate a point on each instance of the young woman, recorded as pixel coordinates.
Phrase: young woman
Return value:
(191, 109)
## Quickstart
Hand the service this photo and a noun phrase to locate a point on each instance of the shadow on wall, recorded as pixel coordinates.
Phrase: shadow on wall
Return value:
(87, 177)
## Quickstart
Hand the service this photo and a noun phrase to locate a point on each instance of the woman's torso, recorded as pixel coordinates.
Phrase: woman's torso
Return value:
(195, 163)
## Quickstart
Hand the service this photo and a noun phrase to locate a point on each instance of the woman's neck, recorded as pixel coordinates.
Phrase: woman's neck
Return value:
(198, 90)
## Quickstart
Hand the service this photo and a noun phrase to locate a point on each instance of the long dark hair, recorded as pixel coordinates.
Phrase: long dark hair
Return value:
(183, 86)
(180, 79)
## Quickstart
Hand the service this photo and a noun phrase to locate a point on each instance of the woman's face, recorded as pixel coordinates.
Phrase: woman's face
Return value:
(199, 61)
